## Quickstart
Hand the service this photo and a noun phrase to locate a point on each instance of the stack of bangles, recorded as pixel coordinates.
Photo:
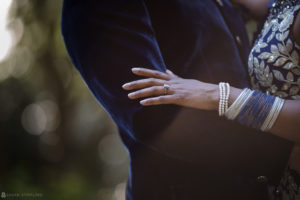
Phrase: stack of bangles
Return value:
(252, 108)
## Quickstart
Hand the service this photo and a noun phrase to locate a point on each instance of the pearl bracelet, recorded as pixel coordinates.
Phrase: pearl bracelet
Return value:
(224, 89)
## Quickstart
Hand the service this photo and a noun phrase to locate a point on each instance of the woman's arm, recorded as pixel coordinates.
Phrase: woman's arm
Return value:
(296, 29)
(205, 96)
(258, 8)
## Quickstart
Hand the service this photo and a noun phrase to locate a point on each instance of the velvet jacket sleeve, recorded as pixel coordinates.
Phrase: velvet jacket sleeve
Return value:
(104, 43)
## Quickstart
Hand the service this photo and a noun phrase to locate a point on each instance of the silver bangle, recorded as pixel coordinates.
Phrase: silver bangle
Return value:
(238, 104)
(273, 114)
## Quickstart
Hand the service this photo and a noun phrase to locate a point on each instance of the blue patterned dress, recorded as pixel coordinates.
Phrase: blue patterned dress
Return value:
(274, 68)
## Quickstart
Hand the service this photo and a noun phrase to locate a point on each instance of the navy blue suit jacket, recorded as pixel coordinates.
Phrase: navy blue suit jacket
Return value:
(175, 152)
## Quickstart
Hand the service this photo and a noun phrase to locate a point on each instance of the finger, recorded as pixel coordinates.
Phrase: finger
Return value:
(171, 73)
(150, 73)
(143, 83)
(166, 99)
(147, 92)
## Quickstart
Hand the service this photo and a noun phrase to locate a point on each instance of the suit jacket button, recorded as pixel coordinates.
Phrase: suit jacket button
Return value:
(238, 40)
(262, 179)
(220, 2)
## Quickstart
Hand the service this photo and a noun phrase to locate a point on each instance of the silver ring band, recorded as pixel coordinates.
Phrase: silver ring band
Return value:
(166, 88)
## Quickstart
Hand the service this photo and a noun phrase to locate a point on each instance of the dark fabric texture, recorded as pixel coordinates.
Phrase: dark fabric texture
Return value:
(175, 152)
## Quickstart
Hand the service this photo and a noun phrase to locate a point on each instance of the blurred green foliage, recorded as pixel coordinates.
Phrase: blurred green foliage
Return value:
(56, 140)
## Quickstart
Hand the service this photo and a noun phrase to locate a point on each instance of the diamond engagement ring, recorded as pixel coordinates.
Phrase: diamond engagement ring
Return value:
(166, 88)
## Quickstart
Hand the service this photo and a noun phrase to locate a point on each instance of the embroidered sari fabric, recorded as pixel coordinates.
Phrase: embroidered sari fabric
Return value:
(274, 60)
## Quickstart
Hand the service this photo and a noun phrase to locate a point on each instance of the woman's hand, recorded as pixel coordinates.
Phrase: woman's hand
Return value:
(184, 92)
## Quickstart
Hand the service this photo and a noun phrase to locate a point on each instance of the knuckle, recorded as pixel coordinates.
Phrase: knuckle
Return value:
(156, 89)
(160, 98)
(165, 82)
(173, 81)
(172, 89)
(156, 73)
(180, 96)
(151, 80)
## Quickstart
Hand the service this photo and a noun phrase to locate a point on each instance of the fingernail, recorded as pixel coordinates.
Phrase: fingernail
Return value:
(143, 102)
(169, 71)
(130, 95)
(135, 68)
(125, 85)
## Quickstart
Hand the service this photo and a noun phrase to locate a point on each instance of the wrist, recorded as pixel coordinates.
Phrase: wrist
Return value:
(235, 92)
(213, 94)
(214, 97)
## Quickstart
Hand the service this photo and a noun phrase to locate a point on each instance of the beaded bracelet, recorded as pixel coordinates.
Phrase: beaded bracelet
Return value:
(224, 89)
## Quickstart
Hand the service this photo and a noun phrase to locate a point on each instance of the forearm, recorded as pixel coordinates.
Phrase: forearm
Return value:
(288, 121)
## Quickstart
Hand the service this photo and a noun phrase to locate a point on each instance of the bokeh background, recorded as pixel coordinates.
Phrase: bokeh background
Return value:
(56, 141)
